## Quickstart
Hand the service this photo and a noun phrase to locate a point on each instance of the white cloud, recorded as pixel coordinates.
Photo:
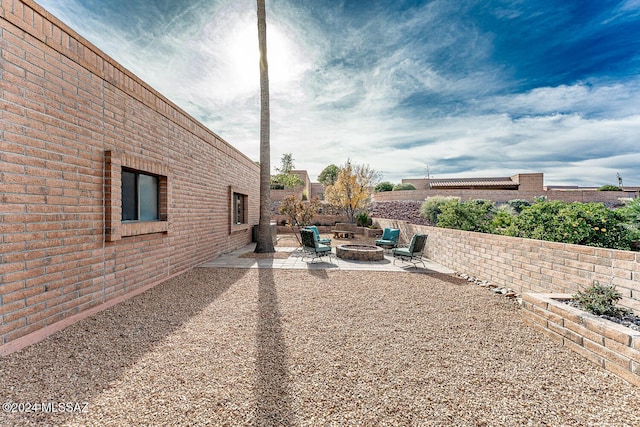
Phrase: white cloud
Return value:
(341, 88)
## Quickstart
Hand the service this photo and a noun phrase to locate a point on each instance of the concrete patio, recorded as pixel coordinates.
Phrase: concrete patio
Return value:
(295, 261)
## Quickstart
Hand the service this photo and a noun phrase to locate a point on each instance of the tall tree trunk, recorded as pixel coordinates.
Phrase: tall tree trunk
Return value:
(264, 243)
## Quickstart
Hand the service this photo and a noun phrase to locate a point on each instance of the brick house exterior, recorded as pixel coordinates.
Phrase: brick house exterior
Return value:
(75, 126)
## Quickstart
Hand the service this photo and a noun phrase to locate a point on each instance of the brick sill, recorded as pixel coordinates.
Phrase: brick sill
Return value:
(611, 346)
(143, 227)
(237, 228)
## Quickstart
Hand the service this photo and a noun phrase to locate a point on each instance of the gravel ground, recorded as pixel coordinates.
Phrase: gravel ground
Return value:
(284, 347)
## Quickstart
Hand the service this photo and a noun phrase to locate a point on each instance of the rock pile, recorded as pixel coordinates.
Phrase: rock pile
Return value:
(405, 210)
(507, 292)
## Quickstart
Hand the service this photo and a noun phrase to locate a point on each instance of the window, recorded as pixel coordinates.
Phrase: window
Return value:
(239, 208)
(140, 196)
(136, 197)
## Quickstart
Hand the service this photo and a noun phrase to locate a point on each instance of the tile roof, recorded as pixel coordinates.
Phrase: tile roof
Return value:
(474, 183)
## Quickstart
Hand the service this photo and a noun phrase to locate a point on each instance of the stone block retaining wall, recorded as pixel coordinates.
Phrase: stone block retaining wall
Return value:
(528, 265)
(613, 347)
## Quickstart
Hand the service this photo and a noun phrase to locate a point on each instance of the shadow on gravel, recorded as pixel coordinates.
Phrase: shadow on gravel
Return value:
(449, 278)
(319, 273)
(272, 396)
(80, 362)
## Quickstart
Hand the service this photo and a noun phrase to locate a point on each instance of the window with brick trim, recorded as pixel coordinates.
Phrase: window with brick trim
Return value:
(136, 196)
(239, 208)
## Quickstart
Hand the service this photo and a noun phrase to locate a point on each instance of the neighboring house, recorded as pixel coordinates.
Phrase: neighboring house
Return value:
(501, 189)
(307, 190)
(106, 187)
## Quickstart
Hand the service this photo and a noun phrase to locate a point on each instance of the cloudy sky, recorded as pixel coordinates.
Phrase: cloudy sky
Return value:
(464, 88)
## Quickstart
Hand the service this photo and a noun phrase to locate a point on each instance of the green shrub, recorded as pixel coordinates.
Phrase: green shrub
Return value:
(518, 204)
(399, 187)
(609, 187)
(600, 300)
(537, 221)
(503, 219)
(383, 186)
(470, 215)
(591, 224)
(432, 207)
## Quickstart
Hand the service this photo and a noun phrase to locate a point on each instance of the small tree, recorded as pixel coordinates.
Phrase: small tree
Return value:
(284, 178)
(351, 191)
(298, 212)
(329, 175)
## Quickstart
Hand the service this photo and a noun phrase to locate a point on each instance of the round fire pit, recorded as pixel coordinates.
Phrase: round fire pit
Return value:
(360, 252)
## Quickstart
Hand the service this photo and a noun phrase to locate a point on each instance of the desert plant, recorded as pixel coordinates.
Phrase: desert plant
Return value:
(362, 219)
(600, 300)
(407, 186)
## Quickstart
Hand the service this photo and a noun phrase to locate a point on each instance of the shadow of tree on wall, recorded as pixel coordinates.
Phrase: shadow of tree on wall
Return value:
(272, 377)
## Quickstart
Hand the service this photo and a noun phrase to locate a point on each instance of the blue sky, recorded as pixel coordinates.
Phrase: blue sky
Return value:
(465, 88)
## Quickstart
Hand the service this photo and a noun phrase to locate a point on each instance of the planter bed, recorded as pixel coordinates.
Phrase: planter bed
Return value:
(614, 347)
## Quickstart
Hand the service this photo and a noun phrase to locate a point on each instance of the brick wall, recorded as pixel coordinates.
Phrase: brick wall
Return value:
(71, 119)
(528, 265)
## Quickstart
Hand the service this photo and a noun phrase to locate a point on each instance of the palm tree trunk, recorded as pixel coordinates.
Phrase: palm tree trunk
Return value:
(264, 241)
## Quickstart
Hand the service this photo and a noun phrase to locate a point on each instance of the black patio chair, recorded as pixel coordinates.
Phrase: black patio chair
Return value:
(311, 247)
